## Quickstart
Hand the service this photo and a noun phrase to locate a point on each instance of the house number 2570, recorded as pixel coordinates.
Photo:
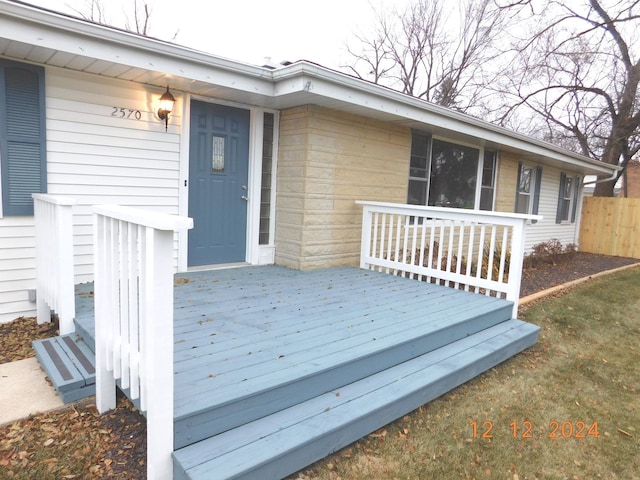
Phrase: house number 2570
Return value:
(126, 113)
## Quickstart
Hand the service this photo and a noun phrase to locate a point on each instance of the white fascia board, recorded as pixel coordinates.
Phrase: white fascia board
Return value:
(317, 80)
(61, 33)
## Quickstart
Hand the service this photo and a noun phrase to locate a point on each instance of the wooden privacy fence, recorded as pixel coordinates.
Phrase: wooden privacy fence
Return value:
(610, 226)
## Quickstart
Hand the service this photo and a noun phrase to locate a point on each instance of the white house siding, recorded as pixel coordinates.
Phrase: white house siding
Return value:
(17, 268)
(98, 158)
(546, 229)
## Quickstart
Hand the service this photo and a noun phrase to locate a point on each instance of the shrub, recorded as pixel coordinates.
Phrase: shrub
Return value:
(551, 252)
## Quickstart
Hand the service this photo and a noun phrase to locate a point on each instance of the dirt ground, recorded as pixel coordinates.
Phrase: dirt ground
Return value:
(115, 445)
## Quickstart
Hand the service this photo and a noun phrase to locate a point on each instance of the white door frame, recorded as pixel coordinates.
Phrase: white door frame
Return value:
(255, 254)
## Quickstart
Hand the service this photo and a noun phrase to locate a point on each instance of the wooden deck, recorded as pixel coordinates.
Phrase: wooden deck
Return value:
(276, 368)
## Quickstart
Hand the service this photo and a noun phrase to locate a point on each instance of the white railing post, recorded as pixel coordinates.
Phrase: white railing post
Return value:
(159, 347)
(515, 264)
(134, 319)
(105, 380)
(365, 244)
(457, 238)
(53, 217)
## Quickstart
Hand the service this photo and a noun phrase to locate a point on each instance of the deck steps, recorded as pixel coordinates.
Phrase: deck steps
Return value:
(281, 443)
(70, 365)
(231, 387)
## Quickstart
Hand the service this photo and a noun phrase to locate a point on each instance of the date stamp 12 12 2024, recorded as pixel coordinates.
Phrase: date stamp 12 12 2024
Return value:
(526, 429)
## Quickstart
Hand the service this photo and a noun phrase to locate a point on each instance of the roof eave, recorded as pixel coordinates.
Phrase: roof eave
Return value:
(318, 80)
(51, 29)
(302, 81)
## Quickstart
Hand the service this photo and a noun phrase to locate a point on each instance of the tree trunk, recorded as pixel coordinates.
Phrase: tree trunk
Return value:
(605, 189)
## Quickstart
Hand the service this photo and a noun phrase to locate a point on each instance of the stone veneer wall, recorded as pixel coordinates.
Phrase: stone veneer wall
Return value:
(328, 160)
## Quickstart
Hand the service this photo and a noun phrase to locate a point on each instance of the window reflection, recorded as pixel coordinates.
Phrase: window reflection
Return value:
(454, 174)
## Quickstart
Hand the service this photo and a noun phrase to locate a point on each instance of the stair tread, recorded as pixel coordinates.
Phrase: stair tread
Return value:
(312, 429)
(202, 410)
(69, 364)
(314, 359)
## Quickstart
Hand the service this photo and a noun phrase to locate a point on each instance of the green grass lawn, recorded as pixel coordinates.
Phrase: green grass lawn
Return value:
(567, 408)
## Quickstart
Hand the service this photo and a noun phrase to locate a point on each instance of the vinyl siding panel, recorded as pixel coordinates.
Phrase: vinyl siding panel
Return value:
(17, 267)
(546, 229)
(97, 158)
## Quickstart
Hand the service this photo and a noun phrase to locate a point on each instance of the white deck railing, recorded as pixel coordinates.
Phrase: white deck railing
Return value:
(53, 217)
(478, 251)
(134, 319)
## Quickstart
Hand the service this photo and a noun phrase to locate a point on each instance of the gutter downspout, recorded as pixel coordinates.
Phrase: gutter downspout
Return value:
(608, 179)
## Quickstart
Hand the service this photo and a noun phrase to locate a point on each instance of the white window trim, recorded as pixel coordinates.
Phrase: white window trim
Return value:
(573, 196)
(532, 186)
(493, 180)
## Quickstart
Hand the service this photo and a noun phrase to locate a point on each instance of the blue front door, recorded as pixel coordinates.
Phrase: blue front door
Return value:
(218, 173)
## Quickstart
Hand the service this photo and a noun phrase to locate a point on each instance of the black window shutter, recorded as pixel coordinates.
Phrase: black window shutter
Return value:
(563, 180)
(576, 190)
(22, 136)
(518, 185)
(536, 193)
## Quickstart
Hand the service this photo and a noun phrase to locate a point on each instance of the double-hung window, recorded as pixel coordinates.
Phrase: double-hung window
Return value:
(22, 136)
(526, 183)
(528, 189)
(567, 198)
(447, 174)
(488, 185)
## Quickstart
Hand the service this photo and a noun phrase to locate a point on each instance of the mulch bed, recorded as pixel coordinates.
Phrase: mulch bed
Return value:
(546, 275)
(114, 444)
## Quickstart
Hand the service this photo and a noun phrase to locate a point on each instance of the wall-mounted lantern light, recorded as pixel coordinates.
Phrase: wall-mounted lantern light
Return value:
(166, 107)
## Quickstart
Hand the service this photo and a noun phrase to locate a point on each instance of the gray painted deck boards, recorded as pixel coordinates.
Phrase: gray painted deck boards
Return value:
(235, 325)
(286, 441)
(258, 347)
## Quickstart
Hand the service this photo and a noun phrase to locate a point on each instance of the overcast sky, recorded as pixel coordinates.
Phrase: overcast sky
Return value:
(250, 30)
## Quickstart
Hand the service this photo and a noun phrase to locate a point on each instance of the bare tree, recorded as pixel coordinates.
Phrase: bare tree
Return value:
(431, 50)
(141, 19)
(579, 72)
(139, 22)
(93, 11)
